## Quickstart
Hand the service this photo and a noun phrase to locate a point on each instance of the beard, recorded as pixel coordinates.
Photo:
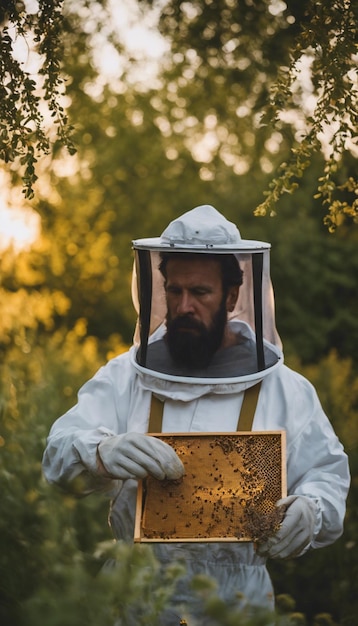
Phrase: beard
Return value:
(190, 343)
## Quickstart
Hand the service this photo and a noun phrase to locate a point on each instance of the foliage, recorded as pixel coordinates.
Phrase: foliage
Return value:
(248, 60)
(330, 41)
(41, 531)
(23, 136)
(314, 278)
(128, 589)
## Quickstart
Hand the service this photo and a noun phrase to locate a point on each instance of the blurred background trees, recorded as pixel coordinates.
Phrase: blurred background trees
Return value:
(149, 146)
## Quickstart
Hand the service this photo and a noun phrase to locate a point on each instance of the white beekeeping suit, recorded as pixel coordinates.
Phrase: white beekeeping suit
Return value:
(117, 401)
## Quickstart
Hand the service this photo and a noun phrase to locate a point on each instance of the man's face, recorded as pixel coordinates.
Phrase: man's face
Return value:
(197, 310)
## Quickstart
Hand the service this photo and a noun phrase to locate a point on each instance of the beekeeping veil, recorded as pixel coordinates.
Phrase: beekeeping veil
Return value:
(204, 230)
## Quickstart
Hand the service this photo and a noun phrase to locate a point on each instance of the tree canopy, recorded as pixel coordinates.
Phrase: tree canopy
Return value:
(274, 56)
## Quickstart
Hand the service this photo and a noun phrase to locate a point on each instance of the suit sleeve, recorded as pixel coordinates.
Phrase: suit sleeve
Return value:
(70, 456)
(317, 465)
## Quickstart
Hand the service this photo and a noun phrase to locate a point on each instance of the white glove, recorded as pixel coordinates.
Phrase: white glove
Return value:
(296, 530)
(135, 455)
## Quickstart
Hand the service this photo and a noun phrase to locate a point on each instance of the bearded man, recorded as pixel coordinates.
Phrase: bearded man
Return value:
(205, 336)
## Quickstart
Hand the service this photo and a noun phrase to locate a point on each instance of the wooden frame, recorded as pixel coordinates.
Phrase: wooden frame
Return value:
(229, 491)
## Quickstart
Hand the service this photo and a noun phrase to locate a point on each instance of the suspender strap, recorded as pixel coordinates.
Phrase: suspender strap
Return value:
(248, 408)
(245, 420)
(156, 415)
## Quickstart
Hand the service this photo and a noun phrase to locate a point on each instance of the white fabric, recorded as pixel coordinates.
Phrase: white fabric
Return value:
(117, 400)
(202, 225)
(201, 229)
(134, 455)
(297, 529)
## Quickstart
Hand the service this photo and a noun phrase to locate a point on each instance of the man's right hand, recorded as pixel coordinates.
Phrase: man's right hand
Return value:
(135, 455)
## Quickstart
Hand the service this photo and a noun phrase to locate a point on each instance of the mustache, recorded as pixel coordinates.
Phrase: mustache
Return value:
(186, 322)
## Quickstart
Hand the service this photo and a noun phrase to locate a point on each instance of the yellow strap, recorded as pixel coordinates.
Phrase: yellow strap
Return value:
(156, 415)
(248, 408)
(244, 423)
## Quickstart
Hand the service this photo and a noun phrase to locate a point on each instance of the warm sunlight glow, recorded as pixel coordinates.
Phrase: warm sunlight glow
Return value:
(18, 228)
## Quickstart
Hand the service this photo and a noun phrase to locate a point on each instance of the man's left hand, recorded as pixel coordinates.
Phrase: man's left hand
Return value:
(296, 530)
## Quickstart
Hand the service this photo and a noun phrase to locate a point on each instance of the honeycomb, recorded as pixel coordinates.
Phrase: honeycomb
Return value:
(231, 484)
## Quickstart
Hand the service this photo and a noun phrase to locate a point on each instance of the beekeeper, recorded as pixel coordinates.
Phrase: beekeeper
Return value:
(205, 338)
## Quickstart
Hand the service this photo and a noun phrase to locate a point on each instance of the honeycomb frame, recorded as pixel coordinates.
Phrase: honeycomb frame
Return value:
(229, 491)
